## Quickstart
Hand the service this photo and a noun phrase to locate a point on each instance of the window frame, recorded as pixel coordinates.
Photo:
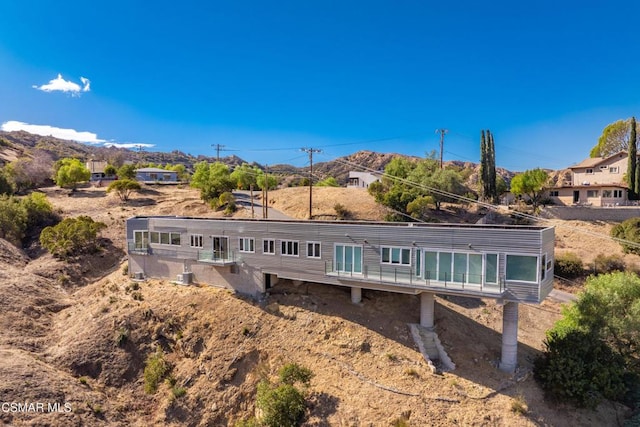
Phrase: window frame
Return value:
(198, 238)
(243, 242)
(401, 258)
(313, 253)
(506, 267)
(271, 244)
(295, 248)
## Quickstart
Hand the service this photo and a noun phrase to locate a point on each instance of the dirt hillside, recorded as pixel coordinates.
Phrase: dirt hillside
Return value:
(79, 335)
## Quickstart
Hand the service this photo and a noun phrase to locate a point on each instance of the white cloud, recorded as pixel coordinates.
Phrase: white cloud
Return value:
(44, 130)
(128, 145)
(62, 85)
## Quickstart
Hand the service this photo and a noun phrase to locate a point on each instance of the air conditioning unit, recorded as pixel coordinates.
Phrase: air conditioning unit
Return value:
(139, 275)
(185, 278)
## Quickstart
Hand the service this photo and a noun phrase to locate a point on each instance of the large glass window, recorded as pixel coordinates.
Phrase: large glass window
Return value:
(444, 266)
(459, 267)
(430, 265)
(348, 258)
(140, 239)
(175, 239)
(154, 237)
(475, 269)
(491, 268)
(523, 268)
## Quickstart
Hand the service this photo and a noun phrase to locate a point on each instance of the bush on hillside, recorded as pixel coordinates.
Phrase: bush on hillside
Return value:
(568, 265)
(19, 214)
(155, 370)
(72, 236)
(608, 263)
(629, 232)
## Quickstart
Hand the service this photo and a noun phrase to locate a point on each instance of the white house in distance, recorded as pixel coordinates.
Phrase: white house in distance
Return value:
(361, 179)
(156, 176)
(596, 181)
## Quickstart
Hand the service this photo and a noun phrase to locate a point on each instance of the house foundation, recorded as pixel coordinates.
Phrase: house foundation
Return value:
(509, 357)
(356, 295)
(427, 305)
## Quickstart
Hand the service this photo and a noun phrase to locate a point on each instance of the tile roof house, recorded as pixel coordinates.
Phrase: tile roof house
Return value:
(596, 181)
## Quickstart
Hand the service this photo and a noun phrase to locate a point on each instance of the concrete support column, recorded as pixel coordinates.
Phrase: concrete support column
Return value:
(509, 357)
(356, 295)
(427, 304)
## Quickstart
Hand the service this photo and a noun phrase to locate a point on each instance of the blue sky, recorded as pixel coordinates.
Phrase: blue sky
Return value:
(267, 78)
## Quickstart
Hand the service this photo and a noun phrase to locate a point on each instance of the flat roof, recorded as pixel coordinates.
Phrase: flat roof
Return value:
(379, 223)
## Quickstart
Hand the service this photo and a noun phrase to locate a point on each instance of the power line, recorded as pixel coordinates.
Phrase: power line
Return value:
(218, 147)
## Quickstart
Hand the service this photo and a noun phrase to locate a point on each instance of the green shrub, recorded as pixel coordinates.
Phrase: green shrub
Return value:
(608, 263)
(13, 219)
(342, 212)
(628, 230)
(282, 406)
(568, 265)
(292, 373)
(155, 370)
(72, 236)
(581, 377)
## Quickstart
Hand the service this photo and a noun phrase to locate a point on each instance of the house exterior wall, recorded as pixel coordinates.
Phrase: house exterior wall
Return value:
(599, 196)
(361, 179)
(250, 272)
(609, 171)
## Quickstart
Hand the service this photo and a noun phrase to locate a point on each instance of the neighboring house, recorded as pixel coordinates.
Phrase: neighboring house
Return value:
(156, 176)
(596, 181)
(96, 167)
(361, 179)
(510, 264)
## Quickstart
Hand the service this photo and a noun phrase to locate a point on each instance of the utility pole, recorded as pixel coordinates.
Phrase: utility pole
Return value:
(310, 151)
(218, 147)
(442, 132)
(265, 201)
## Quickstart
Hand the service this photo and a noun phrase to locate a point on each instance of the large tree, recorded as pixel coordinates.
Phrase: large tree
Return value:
(531, 183)
(70, 172)
(489, 187)
(124, 188)
(212, 179)
(615, 138)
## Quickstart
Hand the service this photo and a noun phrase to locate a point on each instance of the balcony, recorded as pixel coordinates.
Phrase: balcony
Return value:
(221, 258)
(406, 277)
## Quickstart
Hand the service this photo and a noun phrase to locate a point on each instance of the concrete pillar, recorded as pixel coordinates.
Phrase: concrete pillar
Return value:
(509, 357)
(427, 304)
(356, 295)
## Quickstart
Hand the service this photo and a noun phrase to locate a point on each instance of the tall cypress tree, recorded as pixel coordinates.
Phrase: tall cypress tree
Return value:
(483, 165)
(632, 172)
(491, 155)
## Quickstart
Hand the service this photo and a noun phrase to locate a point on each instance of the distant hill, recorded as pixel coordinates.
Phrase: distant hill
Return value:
(18, 144)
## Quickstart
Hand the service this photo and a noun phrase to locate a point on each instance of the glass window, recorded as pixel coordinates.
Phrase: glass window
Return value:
(459, 267)
(418, 263)
(246, 244)
(523, 268)
(589, 171)
(606, 193)
(430, 265)
(140, 239)
(348, 258)
(154, 237)
(491, 268)
(613, 169)
(313, 249)
(269, 246)
(164, 238)
(444, 266)
(391, 255)
(475, 269)
(543, 265)
(592, 193)
(196, 240)
(289, 247)
(175, 239)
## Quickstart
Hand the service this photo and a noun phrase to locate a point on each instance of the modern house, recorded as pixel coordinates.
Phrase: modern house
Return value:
(361, 179)
(511, 264)
(596, 181)
(96, 167)
(156, 176)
